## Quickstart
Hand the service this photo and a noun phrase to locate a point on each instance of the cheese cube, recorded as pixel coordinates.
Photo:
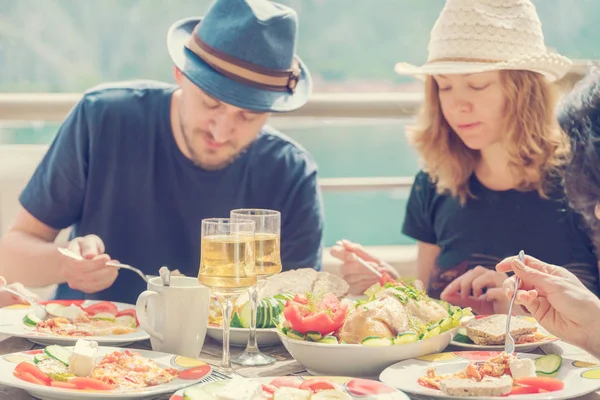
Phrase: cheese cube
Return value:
(83, 359)
(522, 367)
(239, 389)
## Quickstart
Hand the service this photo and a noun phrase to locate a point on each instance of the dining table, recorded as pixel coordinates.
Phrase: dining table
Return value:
(285, 364)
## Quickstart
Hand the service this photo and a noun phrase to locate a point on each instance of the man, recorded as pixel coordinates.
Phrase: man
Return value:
(136, 166)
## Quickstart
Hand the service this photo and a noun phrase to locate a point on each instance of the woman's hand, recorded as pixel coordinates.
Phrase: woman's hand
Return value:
(557, 300)
(479, 288)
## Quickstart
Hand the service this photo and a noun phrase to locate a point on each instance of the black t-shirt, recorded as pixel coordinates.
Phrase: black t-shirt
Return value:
(495, 225)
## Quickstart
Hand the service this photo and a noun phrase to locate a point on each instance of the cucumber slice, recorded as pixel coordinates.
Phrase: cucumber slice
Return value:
(245, 315)
(406, 337)
(314, 336)
(276, 310)
(104, 316)
(295, 335)
(40, 357)
(328, 339)
(447, 324)
(58, 353)
(433, 330)
(462, 337)
(126, 320)
(235, 321)
(31, 320)
(548, 364)
(376, 341)
(458, 314)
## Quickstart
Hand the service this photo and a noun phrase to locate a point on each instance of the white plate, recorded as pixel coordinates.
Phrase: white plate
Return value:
(238, 337)
(580, 378)
(357, 359)
(11, 323)
(10, 361)
(351, 386)
(523, 347)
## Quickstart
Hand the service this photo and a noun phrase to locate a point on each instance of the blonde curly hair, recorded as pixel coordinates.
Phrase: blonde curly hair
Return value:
(536, 145)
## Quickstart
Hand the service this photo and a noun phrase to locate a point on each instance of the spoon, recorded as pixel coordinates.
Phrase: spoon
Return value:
(509, 342)
(75, 256)
(165, 275)
(39, 310)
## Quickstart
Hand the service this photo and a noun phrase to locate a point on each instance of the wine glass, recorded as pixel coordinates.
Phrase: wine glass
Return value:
(268, 262)
(227, 267)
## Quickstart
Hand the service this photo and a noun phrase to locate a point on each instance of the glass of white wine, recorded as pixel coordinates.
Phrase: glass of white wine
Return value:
(227, 267)
(268, 262)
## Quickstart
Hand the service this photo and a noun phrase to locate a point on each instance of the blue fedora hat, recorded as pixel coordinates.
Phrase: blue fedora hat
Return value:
(242, 52)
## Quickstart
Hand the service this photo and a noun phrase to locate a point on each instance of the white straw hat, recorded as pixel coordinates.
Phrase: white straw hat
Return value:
(473, 36)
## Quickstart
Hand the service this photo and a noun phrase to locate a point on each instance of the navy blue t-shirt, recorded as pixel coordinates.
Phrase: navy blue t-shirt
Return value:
(495, 225)
(115, 170)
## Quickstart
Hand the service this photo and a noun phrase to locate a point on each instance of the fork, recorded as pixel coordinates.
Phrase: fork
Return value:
(39, 310)
(75, 256)
(215, 376)
(509, 342)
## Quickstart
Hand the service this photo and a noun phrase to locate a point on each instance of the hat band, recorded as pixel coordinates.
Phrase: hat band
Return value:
(244, 72)
(464, 59)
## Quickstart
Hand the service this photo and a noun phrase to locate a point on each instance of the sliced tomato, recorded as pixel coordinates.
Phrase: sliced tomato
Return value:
(27, 367)
(63, 302)
(386, 278)
(541, 382)
(268, 390)
(63, 385)
(102, 307)
(130, 312)
(39, 351)
(300, 299)
(27, 377)
(90, 383)
(316, 385)
(176, 397)
(524, 390)
(323, 316)
(195, 373)
(365, 387)
(286, 381)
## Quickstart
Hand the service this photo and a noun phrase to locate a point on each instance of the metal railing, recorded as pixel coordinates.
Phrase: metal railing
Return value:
(55, 106)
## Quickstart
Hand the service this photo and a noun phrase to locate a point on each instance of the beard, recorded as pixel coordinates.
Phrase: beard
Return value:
(205, 158)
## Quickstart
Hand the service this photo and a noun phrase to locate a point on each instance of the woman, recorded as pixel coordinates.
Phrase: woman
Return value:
(555, 297)
(491, 150)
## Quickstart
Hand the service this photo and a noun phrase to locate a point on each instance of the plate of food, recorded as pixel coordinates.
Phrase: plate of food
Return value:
(397, 321)
(86, 371)
(291, 387)
(489, 332)
(108, 323)
(486, 375)
(273, 294)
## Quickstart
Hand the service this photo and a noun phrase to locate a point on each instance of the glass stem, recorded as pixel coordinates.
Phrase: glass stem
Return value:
(252, 346)
(227, 307)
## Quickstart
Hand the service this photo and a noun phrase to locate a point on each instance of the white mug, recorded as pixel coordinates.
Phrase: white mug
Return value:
(175, 316)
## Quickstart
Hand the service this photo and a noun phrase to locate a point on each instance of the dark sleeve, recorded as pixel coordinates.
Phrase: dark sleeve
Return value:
(418, 220)
(302, 217)
(55, 193)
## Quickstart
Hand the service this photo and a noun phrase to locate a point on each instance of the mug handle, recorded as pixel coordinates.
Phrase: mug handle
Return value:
(140, 310)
